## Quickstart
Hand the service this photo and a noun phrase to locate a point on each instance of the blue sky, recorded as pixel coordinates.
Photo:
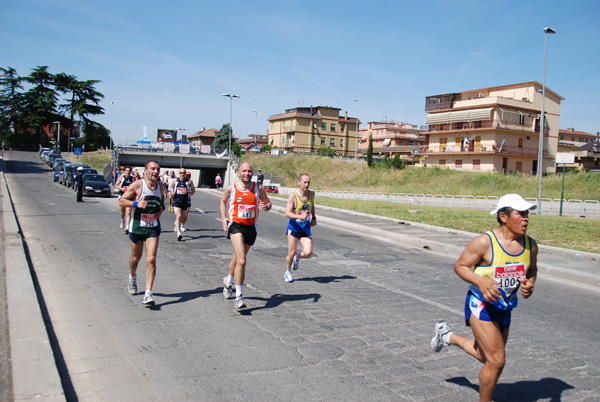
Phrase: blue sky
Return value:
(166, 64)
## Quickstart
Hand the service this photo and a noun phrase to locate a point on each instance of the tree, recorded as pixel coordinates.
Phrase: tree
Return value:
(96, 136)
(397, 163)
(222, 137)
(40, 100)
(326, 151)
(11, 105)
(266, 148)
(370, 151)
(236, 149)
(84, 98)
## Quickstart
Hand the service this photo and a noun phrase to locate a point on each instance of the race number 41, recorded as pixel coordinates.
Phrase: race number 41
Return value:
(509, 275)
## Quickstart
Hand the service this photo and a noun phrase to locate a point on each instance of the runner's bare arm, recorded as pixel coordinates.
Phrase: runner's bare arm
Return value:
(529, 281)
(475, 253)
(313, 221)
(290, 207)
(132, 193)
(223, 207)
(264, 203)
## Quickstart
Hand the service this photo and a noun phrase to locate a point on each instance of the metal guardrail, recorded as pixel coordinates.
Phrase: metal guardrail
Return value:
(572, 207)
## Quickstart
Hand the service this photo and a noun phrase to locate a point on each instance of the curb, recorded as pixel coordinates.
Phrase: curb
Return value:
(34, 372)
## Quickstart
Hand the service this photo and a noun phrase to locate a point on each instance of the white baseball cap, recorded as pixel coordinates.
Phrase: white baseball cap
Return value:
(80, 168)
(514, 201)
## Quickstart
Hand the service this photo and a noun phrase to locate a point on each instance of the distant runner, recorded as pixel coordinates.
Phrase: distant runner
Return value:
(182, 189)
(124, 181)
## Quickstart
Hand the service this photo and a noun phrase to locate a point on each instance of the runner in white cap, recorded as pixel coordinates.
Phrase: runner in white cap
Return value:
(496, 264)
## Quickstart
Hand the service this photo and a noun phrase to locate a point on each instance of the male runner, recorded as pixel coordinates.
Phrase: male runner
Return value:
(504, 259)
(182, 189)
(172, 179)
(300, 210)
(146, 198)
(124, 181)
(239, 212)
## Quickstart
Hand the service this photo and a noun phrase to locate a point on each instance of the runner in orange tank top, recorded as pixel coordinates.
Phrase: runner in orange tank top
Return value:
(239, 208)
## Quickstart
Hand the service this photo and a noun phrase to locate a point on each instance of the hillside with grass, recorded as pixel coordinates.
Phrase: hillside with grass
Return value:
(347, 174)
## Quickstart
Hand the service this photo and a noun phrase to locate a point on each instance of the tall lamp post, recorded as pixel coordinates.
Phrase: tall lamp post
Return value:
(547, 31)
(256, 115)
(356, 140)
(110, 141)
(58, 135)
(230, 96)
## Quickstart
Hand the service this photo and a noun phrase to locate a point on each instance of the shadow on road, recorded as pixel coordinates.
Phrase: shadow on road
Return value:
(325, 279)
(184, 296)
(278, 299)
(524, 391)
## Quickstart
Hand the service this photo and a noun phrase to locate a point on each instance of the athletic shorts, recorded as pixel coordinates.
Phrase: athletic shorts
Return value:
(181, 204)
(298, 235)
(485, 312)
(248, 231)
(137, 238)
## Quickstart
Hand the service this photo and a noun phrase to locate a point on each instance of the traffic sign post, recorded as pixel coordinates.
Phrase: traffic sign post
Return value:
(564, 158)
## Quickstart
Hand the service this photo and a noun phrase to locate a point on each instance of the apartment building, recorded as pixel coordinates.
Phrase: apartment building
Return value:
(493, 129)
(306, 129)
(392, 138)
(569, 137)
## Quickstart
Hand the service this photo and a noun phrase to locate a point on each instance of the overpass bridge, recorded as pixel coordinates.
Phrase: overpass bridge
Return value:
(204, 167)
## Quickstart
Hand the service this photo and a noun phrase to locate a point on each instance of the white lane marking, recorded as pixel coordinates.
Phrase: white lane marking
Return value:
(422, 299)
(201, 211)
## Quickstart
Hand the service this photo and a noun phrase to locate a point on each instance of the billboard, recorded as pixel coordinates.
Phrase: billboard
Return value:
(163, 135)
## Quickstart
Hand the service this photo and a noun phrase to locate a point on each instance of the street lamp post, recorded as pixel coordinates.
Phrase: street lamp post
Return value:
(58, 136)
(110, 141)
(547, 31)
(256, 128)
(230, 96)
(356, 140)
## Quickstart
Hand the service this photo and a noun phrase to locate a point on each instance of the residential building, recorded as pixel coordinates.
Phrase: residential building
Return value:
(254, 142)
(306, 129)
(569, 138)
(393, 138)
(493, 129)
(204, 137)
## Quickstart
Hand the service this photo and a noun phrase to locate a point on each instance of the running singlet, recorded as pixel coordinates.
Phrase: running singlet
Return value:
(243, 205)
(126, 182)
(181, 190)
(301, 225)
(144, 221)
(508, 269)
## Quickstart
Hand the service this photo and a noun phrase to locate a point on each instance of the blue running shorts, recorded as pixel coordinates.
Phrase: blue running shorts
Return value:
(485, 312)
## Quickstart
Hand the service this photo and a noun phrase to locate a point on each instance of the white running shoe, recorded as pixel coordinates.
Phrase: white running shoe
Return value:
(183, 229)
(122, 224)
(132, 285)
(295, 261)
(227, 288)
(239, 302)
(288, 277)
(148, 299)
(440, 340)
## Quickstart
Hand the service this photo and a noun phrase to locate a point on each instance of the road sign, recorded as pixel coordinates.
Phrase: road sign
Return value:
(565, 157)
(77, 151)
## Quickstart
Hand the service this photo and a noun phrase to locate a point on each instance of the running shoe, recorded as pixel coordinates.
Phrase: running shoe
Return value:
(440, 340)
(227, 288)
(183, 229)
(295, 261)
(239, 302)
(288, 276)
(132, 285)
(122, 226)
(148, 299)
(126, 231)
(179, 236)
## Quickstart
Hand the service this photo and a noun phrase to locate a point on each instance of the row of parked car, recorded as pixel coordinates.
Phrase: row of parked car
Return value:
(65, 173)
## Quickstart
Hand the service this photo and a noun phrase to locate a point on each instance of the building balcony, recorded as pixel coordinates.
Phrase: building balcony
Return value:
(486, 150)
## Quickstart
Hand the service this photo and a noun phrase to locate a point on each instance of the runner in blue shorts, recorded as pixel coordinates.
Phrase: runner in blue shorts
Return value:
(496, 264)
(300, 211)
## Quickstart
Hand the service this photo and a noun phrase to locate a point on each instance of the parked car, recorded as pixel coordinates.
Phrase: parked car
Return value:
(94, 184)
(72, 173)
(272, 189)
(42, 151)
(62, 173)
(58, 164)
(52, 158)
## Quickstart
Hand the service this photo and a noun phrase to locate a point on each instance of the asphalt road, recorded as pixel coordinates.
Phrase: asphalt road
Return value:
(354, 326)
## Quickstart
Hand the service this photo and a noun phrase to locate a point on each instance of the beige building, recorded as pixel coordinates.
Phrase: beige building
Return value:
(306, 129)
(492, 129)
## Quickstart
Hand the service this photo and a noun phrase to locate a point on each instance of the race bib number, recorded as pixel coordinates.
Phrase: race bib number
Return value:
(509, 275)
(148, 220)
(305, 219)
(181, 190)
(246, 211)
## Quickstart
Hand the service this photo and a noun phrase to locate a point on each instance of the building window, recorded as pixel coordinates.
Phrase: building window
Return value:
(342, 127)
(341, 142)
(313, 140)
(332, 142)
(314, 125)
(272, 126)
(477, 164)
(322, 140)
(332, 126)
(521, 119)
(520, 142)
(442, 162)
(519, 166)
(458, 164)
(478, 124)
(562, 137)
(323, 126)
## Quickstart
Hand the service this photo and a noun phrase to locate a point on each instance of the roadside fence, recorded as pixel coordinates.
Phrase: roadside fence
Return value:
(572, 207)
